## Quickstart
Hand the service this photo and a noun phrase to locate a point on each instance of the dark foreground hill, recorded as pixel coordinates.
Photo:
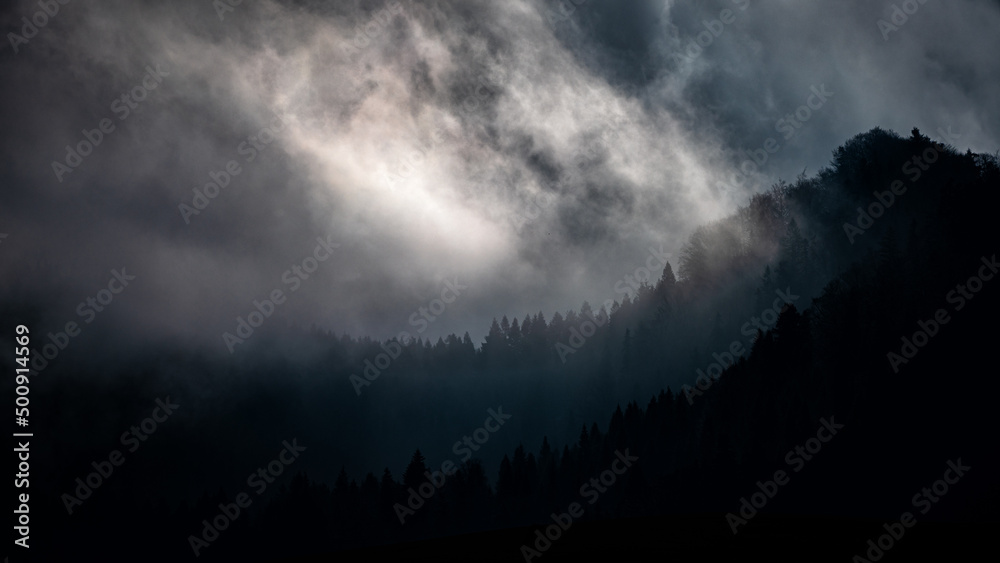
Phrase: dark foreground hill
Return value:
(868, 395)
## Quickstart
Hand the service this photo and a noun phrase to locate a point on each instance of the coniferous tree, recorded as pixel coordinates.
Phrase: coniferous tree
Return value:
(414, 474)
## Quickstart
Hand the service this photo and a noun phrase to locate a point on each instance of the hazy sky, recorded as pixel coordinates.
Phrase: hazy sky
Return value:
(533, 157)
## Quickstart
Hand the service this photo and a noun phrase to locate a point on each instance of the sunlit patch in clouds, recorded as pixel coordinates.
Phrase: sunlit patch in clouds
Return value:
(538, 159)
(427, 150)
(487, 130)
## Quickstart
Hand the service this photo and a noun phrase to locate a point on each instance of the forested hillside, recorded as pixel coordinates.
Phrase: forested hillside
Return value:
(790, 312)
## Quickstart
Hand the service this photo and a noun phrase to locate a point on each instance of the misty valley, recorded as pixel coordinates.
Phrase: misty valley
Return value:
(525, 281)
(776, 325)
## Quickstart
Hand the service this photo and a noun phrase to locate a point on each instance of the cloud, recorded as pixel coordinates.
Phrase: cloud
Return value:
(536, 158)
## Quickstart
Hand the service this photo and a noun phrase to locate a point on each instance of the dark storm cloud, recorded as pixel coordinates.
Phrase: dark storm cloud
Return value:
(421, 137)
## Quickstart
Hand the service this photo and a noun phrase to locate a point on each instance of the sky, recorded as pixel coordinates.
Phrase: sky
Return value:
(366, 158)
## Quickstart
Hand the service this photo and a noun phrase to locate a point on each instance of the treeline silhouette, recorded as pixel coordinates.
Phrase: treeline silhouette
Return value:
(825, 356)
